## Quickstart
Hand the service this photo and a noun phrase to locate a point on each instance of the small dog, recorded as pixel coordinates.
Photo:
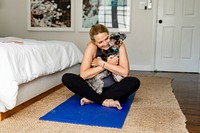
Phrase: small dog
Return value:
(115, 42)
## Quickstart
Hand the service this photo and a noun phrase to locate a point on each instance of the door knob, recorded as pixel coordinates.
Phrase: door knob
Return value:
(160, 21)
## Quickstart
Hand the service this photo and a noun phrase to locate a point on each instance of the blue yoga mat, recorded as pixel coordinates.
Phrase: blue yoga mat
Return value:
(71, 111)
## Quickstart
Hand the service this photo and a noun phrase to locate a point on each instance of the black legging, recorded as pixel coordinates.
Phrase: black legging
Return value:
(118, 91)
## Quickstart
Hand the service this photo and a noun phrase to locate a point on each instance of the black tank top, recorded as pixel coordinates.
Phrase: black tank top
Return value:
(108, 81)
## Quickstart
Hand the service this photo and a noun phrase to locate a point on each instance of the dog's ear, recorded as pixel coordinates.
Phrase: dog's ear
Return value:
(118, 36)
(122, 36)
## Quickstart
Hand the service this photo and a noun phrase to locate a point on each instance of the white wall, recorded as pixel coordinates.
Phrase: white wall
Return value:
(140, 41)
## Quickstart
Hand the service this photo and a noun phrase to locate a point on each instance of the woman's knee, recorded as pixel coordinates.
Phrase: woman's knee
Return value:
(135, 82)
(67, 77)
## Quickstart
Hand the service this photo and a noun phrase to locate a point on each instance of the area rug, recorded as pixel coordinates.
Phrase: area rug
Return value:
(154, 110)
(70, 111)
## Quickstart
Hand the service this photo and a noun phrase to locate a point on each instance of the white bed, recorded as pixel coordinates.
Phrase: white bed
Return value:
(30, 67)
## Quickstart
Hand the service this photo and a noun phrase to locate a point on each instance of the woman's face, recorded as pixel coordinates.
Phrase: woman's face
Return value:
(102, 40)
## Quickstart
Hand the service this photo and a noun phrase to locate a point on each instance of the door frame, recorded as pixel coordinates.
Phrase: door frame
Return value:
(199, 60)
(154, 37)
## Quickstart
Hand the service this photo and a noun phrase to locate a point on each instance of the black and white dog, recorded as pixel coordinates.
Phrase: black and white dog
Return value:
(115, 42)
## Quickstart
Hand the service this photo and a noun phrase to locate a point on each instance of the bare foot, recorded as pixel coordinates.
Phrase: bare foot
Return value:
(112, 103)
(85, 101)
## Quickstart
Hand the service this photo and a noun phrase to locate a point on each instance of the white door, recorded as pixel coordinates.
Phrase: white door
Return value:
(178, 36)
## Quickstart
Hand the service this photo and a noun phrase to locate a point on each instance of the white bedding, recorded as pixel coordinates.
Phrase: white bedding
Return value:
(23, 60)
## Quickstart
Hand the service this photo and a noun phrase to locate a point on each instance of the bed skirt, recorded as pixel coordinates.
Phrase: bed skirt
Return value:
(28, 91)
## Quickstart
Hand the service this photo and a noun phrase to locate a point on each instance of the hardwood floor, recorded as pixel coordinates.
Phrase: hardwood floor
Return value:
(186, 87)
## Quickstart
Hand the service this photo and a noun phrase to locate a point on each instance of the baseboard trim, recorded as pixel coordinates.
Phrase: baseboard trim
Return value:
(141, 67)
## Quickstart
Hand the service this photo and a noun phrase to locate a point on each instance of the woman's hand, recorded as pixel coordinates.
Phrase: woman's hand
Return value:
(113, 60)
(97, 62)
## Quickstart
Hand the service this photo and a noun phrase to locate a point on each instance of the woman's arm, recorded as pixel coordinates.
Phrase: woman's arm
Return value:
(86, 71)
